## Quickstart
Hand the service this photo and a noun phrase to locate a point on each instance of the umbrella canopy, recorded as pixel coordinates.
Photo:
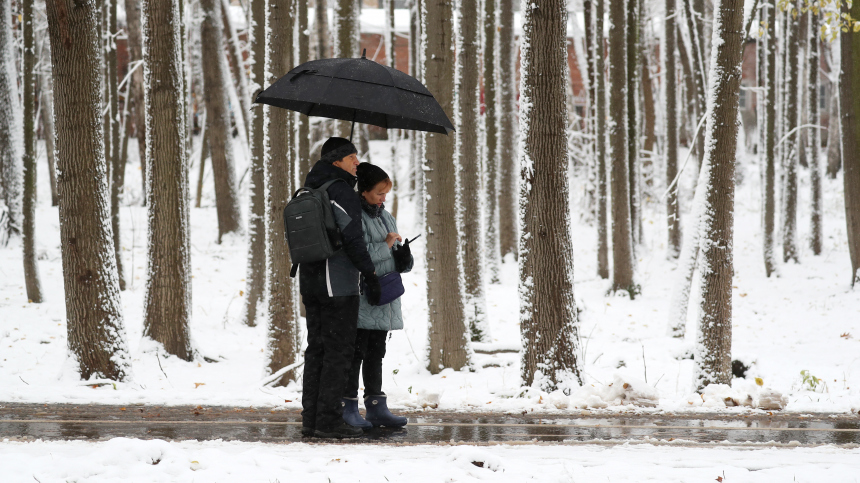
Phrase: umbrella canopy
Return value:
(358, 90)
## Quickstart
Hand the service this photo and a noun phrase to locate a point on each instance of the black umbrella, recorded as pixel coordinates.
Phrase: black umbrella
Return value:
(358, 90)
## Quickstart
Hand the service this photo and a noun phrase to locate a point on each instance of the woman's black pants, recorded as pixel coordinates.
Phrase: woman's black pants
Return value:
(369, 351)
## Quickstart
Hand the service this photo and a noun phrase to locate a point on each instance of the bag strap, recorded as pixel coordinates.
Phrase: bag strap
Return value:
(293, 270)
(384, 223)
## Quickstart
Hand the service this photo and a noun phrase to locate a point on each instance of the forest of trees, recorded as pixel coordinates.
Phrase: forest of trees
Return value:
(662, 83)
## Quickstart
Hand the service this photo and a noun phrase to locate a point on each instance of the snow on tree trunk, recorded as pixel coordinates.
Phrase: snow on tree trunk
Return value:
(393, 134)
(468, 149)
(769, 179)
(284, 336)
(791, 145)
(622, 249)
(11, 143)
(31, 268)
(117, 167)
(507, 134)
(303, 146)
(633, 169)
(94, 320)
(673, 214)
(849, 84)
(548, 320)
(714, 342)
(218, 119)
(600, 132)
(649, 115)
(237, 63)
(697, 56)
(167, 304)
(255, 276)
(491, 128)
(449, 335)
(813, 117)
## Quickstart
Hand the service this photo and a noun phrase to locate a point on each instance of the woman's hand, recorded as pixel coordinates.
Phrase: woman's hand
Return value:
(391, 238)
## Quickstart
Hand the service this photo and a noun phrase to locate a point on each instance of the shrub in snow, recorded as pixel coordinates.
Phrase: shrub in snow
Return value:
(621, 391)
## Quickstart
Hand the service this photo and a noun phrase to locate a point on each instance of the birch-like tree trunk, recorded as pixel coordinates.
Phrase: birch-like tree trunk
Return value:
(11, 144)
(94, 320)
(31, 267)
(135, 46)
(633, 169)
(600, 133)
(769, 179)
(849, 89)
(813, 117)
(490, 148)
(673, 213)
(284, 339)
(449, 336)
(472, 239)
(548, 320)
(622, 249)
(507, 150)
(713, 361)
(255, 276)
(791, 146)
(167, 305)
(218, 118)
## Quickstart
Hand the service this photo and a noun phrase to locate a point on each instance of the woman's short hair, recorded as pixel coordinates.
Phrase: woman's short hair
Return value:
(370, 175)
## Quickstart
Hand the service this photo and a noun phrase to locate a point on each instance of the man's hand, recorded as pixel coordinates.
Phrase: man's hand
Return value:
(374, 290)
(391, 238)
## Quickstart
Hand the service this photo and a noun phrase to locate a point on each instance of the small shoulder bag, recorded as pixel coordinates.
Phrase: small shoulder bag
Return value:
(391, 283)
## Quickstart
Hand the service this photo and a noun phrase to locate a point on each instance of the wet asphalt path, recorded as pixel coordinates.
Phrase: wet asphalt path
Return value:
(24, 422)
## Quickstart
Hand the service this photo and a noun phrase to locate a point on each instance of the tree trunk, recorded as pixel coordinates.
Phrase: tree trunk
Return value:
(548, 320)
(135, 49)
(94, 320)
(117, 170)
(791, 149)
(633, 171)
(323, 36)
(47, 115)
(284, 338)
(416, 69)
(673, 213)
(713, 361)
(167, 307)
(346, 45)
(690, 114)
(600, 115)
(237, 62)
(650, 117)
(303, 158)
(10, 121)
(204, 154)
(507, 137)
(622, 250)
(849, 83)
(255, 276)
(834, 132)
(769, 181)
(218, 119)
(470, 177)
(814, 134)
(31, 268)
(694, 28)
(394, 134)
(491, 126)
(449, 337)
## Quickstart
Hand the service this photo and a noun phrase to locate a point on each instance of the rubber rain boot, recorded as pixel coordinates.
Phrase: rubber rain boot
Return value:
(379, 415)
(351, 416)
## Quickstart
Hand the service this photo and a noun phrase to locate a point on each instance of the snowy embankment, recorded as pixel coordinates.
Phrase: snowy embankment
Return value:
(807, 319)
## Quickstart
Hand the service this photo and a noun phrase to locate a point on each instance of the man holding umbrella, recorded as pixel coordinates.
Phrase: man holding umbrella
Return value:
(330, 292)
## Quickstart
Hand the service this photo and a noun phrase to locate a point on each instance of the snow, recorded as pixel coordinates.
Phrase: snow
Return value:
(128, 460)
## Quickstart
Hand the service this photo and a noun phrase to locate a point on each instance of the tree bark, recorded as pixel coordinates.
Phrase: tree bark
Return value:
(31, 267)
(694, 28)
(650, 117)
(218, 119)
(622, 249)
(346, 45)
(633, 170)
(491, 126)
(600, 132)
(769, 181)
(47, 114)
(201, 171)
(10, 121)
(94, 321)
(791, 149)
(813, 117)
(849, 83)
(117, 167)
(673, 213)
(834, 132)
(303, 159)
(135, 49)
(507, 150)
(255, 276)
(237, 62)
(449, 337)
(471, 238)
(548, 320)
(167, 306)
(284, 337)
(714, 345)
(323, 36)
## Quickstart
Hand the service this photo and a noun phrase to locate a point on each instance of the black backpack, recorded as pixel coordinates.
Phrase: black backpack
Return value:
(309, 226)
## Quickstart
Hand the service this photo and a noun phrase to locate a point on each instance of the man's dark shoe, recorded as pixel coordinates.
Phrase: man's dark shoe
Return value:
(340, 432)
(307, 431)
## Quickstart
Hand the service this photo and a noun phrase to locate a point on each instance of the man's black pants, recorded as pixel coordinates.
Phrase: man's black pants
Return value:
(331, 322)
(369, 351)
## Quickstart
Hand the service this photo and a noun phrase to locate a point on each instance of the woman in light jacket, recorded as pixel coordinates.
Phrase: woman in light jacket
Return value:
(374, 321)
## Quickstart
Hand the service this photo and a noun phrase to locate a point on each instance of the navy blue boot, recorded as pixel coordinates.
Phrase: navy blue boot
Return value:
(351, 416)
(379, 415)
